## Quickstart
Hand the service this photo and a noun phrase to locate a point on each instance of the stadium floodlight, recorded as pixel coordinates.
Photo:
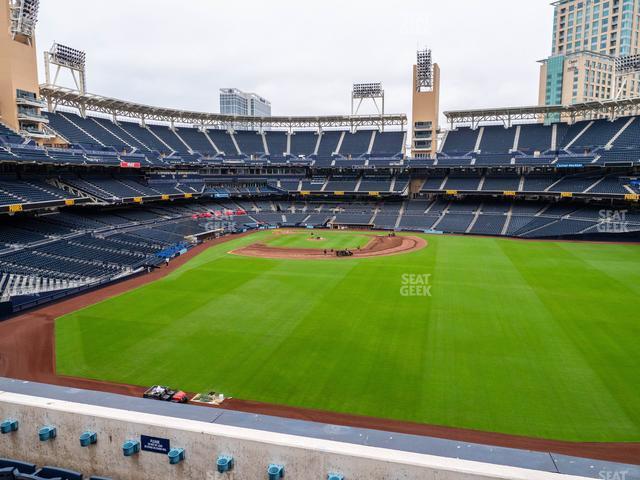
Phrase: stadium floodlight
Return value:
(367, 90)
(68, 57)
(626, 66)
(424, 70)
(627, 63)
(24, 16)
(363, 91)
(65, 57)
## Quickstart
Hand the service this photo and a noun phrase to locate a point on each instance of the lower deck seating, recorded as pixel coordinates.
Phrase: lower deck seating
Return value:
(353, 218)
(341, 184)
(489, 225)
(55, 251)
(375, 185)
(417, 222)
(455, 223)
(460, 182)
(386, 221)
(44, 253)
(30, 191)
(481, 217)
(560, 228)
(501, 183)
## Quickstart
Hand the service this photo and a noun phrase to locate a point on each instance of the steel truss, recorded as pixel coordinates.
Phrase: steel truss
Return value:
(626, 69)
(367, 91)
(65, 58)
(569, 113)
(60, 96)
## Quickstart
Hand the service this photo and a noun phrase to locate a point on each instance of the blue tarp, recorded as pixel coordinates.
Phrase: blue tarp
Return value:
(173, 250)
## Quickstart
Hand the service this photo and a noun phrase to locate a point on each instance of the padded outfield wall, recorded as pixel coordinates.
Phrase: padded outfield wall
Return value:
(252, 450)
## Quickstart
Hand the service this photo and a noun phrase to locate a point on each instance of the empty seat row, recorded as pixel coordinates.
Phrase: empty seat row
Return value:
(11, 469)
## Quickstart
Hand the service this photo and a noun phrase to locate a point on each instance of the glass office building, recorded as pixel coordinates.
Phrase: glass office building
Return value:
(237, 102)
(588, 35)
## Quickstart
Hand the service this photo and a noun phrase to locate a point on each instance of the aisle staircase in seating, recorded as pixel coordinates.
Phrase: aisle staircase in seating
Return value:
(12, 285)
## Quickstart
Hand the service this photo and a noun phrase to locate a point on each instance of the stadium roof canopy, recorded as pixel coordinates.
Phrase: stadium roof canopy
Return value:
(610, 108)
(56, 96)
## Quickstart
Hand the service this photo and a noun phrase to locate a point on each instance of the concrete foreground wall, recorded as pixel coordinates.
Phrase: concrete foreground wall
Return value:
(252, 450)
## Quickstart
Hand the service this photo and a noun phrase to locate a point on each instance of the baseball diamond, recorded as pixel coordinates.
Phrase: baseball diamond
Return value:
(311, 278)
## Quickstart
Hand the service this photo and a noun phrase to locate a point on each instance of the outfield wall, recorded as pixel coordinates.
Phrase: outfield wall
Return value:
(253, 451)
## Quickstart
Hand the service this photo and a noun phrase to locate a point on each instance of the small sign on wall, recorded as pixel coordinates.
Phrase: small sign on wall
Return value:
(155, 444)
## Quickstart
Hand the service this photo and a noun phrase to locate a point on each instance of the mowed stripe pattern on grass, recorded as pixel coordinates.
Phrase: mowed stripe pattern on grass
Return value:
(329, 239)
(528, 338)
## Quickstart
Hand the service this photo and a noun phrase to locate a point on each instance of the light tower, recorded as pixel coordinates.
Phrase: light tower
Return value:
(63, 57)
(367, 91)
(627, 70)
(23, 18)
(20, 103)
(426, 105)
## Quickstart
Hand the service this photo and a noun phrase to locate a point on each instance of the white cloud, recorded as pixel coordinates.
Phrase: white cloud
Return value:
(303, 56)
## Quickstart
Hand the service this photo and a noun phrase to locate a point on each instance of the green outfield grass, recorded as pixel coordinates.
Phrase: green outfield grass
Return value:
(531, 338)
(328, 239)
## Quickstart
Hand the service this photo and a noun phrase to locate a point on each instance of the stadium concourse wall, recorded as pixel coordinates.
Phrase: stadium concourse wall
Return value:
(253, 451)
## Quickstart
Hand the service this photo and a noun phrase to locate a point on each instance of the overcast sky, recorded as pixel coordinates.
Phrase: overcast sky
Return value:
(302, 56)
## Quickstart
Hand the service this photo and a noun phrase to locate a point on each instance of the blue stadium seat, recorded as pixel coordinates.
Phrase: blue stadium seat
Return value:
(224, 142)
(9, 136)
(168, 138)
(303, 143)
(460, 141)
(277, 143)
(54, 472)
(22, 467)
(143, 137)
(388, 144)
(329, 143)
(250, 142)
(63, 124)
(497, 139)
(356, 144)
(535, 137)
(598, 134)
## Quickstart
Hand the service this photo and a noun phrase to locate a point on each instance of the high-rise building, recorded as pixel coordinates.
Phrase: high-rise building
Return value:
(588, 37)
(237, 102)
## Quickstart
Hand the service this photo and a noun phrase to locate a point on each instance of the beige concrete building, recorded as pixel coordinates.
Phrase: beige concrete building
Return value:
(426, 106)
(19, 90)
(588, 37)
